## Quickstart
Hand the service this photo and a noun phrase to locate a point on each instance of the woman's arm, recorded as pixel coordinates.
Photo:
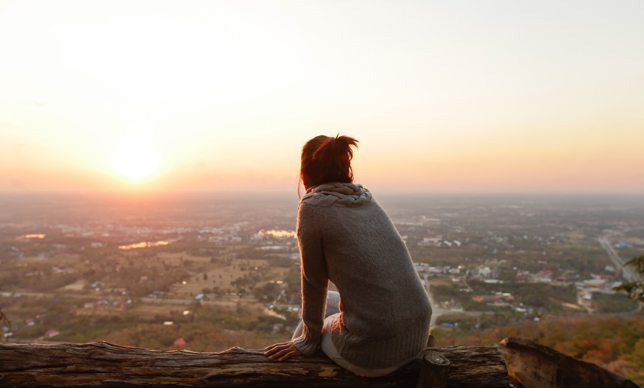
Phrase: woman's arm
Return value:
(314, 279)
(314, 287)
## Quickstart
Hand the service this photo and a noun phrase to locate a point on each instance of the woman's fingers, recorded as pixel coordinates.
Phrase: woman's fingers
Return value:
(279, 354)
(272, 350)
(275, 345)
(275, 348)
(288, 355)
(282, 352)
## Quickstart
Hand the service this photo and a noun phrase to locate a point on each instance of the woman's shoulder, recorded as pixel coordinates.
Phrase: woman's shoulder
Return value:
(337, 194)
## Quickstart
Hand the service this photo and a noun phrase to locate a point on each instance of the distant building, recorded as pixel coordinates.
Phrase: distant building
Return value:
(52, 333)
(488, 299)
(544, 276)
(524, 276)
(595, 283)
(421, 267)
(505, 296)
(180, 342)
(498, 299)
(277, 326)
(431, 241)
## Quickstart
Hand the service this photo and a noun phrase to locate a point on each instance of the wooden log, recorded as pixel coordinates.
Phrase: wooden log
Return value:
(538, 366)
(434, 370)
(107, 365)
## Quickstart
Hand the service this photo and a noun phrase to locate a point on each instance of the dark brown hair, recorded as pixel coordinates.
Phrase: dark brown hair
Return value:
(327, 159)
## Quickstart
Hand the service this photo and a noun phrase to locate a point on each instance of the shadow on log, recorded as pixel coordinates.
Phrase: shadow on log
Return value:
(434, 371)
(107, 365)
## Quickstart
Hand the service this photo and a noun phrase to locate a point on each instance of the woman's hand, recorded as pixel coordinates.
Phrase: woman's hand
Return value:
(282, 351)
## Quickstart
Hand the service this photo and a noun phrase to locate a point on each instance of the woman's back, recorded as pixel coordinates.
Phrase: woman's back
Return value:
(385, 309)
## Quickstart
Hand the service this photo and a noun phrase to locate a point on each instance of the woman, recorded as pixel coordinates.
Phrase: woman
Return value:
(380, 319)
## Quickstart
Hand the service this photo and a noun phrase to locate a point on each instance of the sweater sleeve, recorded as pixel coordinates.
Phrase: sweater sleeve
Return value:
(314, 280)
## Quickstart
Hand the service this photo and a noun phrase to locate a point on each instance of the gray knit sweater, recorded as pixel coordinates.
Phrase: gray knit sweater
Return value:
(346, 237)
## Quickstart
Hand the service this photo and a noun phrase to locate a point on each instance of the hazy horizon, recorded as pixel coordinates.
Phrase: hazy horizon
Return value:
(294, 193)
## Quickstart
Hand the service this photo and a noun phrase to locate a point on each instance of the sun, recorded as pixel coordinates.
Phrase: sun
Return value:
(136, 158)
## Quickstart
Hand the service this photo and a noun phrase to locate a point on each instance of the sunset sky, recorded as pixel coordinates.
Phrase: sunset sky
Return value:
(444, 96)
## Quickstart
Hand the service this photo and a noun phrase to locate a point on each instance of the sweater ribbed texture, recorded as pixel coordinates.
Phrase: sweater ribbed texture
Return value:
(346, 237)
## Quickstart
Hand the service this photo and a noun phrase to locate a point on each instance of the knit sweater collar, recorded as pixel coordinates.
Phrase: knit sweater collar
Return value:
(337, 194)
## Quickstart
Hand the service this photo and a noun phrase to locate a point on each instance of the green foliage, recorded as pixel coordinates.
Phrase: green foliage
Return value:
(470, 324)
(530, 294)
(637, 357)
(634, 290)
(283, 262)
(612, 303)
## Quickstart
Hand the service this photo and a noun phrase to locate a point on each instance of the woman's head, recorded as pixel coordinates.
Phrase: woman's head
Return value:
(327, 159)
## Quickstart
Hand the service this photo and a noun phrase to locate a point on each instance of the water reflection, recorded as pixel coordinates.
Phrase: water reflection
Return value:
(32, 236)
(278, 233)
(145, 244)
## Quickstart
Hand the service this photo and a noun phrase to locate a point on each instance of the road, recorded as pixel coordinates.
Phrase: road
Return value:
(436, 311)
(627, 272)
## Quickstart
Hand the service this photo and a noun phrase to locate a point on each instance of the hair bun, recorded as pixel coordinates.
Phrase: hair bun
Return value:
(328, 159)
(344, 144)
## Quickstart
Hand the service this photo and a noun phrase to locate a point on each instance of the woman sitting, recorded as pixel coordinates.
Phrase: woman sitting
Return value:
(379, 320)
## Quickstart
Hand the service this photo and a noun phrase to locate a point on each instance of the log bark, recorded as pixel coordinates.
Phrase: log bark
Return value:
(431, 341)
(538, 366)
(434, 371)
(107, 365)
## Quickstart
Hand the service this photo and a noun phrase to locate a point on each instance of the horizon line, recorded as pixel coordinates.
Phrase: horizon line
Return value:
(285, 192)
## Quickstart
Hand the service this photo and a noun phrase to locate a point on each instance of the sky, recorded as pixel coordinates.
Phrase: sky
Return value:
(450, 96)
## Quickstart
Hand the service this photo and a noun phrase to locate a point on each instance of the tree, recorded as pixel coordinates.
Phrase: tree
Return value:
(634, 290)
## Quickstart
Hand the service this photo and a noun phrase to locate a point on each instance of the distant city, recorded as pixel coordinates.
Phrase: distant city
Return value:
(164, 271)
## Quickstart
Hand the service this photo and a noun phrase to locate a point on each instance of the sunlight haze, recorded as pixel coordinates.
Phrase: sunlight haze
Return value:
(463, 96)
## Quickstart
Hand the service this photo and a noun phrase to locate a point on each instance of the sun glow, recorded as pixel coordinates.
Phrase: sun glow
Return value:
(136, 158)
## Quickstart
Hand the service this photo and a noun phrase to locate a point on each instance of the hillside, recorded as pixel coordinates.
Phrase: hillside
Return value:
(615, 342)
